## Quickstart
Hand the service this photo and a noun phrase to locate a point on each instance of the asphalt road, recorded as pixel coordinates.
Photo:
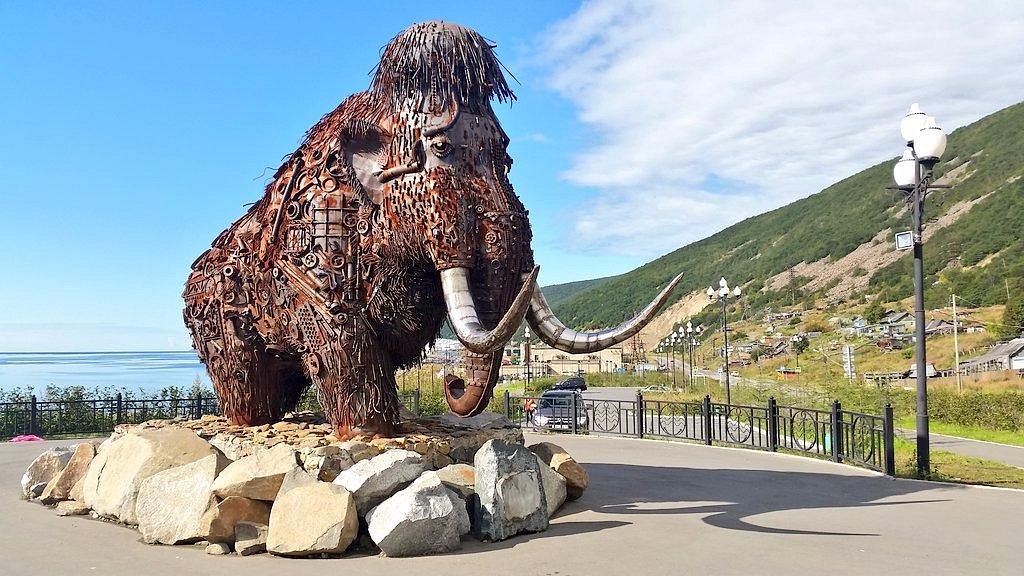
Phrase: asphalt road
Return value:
(652, 508)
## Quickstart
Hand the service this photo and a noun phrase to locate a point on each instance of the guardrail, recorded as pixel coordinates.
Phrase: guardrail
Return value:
(841, 435)
(69, 417)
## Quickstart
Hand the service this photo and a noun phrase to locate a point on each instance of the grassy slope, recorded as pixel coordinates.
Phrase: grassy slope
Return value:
(833, 222)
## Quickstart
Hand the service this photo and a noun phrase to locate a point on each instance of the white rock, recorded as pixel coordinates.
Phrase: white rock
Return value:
(43, 469)
(71, 508)
(293, 479)
(111, 485)
(374, 480)
(171, 503)
(313, 519)
(258, 476)
(218, 549)
(423, 518)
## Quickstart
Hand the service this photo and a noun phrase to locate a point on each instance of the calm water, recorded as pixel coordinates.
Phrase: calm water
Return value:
(148, 371)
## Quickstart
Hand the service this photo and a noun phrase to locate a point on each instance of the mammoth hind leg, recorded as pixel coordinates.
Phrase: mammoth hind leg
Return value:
(255, 387)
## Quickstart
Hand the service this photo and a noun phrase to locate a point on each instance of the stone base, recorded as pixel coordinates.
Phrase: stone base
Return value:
(441, 440)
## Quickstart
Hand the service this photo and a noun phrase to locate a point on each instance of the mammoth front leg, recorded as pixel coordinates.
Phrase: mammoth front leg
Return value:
(356, 386)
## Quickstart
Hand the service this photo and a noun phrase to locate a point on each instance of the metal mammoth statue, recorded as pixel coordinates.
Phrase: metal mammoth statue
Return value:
(395, 210)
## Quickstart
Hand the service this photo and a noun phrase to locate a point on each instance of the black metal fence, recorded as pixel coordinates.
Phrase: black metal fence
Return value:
(68, 417)
(841, 435)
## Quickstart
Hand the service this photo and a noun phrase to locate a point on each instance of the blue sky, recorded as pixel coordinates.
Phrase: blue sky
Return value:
(133, 133)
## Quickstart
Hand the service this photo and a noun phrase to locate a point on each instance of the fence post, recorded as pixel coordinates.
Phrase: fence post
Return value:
(573, 407)
(120, 407)
(837, 431)
(198, 405)
(639, 414)
(773, 424)
(887, 439)
(33, 421)
(416, 402)
(508, 406)
(705, 414)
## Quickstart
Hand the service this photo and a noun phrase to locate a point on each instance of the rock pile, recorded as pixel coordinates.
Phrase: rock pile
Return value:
(295, 491)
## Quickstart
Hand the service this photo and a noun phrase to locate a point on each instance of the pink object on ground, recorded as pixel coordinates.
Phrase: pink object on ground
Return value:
(26, 438)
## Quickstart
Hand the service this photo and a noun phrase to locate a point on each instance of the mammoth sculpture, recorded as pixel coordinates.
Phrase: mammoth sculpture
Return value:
(395, 210)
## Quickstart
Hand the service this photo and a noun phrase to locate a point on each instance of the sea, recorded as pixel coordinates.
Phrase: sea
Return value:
(144, 372)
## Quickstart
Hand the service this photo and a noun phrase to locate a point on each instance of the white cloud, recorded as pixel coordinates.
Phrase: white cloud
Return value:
(776, 99)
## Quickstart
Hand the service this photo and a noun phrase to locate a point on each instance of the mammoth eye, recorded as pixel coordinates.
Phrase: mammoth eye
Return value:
(441, 147)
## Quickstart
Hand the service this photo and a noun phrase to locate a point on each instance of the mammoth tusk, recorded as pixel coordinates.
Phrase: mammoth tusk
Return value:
(556, 335)
(462, 311)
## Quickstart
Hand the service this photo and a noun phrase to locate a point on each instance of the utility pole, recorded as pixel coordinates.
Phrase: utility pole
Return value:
(956, 349)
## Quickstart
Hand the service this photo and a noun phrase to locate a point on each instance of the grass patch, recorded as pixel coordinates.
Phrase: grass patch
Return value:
(1012, 437)
(949, 467)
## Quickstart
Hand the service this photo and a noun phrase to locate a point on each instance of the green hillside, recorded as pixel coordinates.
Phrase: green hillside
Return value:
(556, 294)
(835, 221)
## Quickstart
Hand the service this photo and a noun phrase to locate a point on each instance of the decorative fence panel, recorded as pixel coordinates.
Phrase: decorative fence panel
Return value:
(843, 436)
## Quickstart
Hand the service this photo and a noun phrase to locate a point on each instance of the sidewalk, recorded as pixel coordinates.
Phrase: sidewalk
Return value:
(1012, 455)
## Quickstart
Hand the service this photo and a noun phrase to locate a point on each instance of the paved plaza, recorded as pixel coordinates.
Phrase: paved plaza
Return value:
(652, 508)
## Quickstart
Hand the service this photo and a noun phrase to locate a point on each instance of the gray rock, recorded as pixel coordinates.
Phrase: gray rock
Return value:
(172, 503)
(218, 549)
(482, 420)
(258, 476)
(43, 469)
(554, 488)
(576, 479)
(373, 481)
(111, 484)
(313, 519)
(510, 491)
(250, 538)
(423, 518)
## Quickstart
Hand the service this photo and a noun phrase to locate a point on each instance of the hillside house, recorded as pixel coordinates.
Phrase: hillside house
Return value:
(943, 326)
(857, 327)
(897, 323)
(1003, 356)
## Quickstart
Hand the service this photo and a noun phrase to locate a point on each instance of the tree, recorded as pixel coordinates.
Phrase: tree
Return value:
(874, 312)
(1013, 319)
(800, 344)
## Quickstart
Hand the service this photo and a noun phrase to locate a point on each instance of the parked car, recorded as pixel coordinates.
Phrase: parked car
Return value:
(656, 388)
(553, 410)
(574, 383)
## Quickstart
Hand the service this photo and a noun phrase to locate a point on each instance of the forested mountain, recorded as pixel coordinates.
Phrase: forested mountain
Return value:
(837, 244)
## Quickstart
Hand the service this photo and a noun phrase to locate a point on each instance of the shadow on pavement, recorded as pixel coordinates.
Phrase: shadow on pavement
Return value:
(727, 497)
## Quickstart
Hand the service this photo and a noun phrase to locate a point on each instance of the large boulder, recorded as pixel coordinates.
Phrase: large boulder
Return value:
(218, 524)
(423, 518)
(293, 479)
(111, 485)
(373, 481)
(172, 503)
(560, 461)
(313, 519)
(250, 538)
(258, 476)
(510, 491)
(554, 488)
(42, 470)
(59, 487)
(460, 478)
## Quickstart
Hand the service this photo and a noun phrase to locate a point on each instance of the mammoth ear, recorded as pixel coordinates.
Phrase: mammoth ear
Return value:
(363, 149)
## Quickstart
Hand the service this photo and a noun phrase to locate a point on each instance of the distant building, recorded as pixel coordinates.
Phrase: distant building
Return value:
(896, 323)
(943, 326)
(1004, 356)
(548, 361)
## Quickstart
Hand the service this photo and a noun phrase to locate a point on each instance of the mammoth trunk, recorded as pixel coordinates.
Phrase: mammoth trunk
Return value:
(496, 291)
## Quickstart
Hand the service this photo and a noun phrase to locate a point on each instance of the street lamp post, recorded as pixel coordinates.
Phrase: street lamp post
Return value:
(672, 344)
(723, 294)
(913, 174)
